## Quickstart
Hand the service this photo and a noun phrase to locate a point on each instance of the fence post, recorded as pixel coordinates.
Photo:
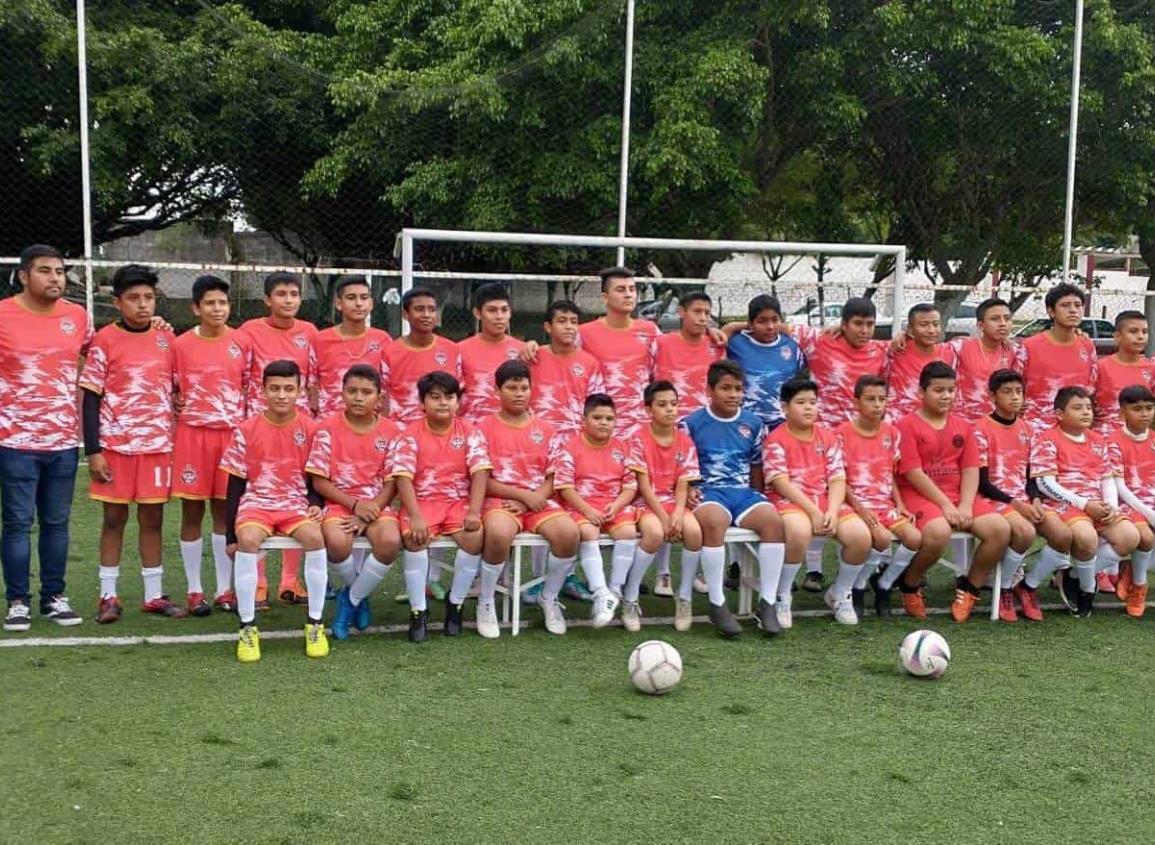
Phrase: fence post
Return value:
(85, 176)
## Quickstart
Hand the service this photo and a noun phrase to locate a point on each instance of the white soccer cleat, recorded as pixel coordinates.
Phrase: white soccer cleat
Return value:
(700, 586)
(551, 612)
(605, 606)
(663, 586)
(785, 615)
(487, 624)
(842, 606)
(631, 616)
(683, 615)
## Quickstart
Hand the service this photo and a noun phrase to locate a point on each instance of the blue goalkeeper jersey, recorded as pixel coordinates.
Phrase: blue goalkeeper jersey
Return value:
(727, 448)
(767, 366)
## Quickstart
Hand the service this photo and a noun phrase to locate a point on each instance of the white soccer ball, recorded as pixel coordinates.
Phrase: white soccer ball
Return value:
(655, 667)
(924, 654)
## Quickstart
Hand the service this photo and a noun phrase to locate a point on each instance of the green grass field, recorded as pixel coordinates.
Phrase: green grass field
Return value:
(1036, 734)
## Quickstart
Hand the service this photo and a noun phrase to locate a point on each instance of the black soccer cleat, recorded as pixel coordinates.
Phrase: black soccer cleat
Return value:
(858, 601)
(453, 623)
(767, 618)
(418, 626)
(724, 621)
(1084, 604)
(813, 582)
(881, 596)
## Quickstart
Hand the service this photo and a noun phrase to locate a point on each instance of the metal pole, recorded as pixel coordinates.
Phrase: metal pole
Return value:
(406, 271)
(1073, 141)
(624, 175)
(85, 177)
(899, 281)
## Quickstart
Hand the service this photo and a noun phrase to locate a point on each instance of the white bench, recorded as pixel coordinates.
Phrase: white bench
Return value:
(743, 546)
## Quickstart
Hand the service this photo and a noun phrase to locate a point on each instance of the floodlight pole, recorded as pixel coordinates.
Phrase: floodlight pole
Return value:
(1073, 141)
(85, 176)
(624, 174)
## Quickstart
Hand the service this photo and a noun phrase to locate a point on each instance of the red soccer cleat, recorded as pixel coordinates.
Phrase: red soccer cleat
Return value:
(226, 601)
(1136, 600)
(1123, 585)
(964, 602)
(163, 606)
(1007, 607)
(197, 605)
(914, 605)
(109, 611)
(1028, 601)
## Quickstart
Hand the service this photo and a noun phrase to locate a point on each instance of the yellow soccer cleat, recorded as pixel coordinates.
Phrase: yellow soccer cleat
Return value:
(316, 643)
(249, 644)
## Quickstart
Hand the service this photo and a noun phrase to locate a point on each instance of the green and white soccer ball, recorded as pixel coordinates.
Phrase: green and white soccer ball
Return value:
(924, 654)
(655, 667)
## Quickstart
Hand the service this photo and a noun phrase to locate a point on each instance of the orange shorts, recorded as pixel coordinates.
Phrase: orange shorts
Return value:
(196, 462)
(271, 522)
(440, 516)
(335, 513)
(143, 479)
(527, 521)
(925, 510)
(1070, 514)
(784, 507)
(626, 516)
(890, 519)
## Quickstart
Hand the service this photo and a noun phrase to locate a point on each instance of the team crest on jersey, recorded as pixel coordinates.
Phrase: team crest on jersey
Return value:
(379, 444)
(300, 341)
(1025, 438)
(577, 370)
(374, 346)
(1100, 449)
(457, 442)
(887, 443)
(511, 354)
(745, 431)
(67, 326)
(617, 455)
(234, 351)
(441, 358)
(537, 436)
(299, 437)
(189, 474)
(820, 448)
(787, 353)
(162, 342)
(957, 441)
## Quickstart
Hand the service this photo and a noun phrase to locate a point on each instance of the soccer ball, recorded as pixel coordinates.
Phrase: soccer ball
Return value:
(924, 654)
(655, 667)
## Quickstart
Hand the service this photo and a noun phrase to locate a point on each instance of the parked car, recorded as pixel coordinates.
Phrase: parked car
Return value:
(663, 311)
(1101, 332)
(830, 315)
(963, 324)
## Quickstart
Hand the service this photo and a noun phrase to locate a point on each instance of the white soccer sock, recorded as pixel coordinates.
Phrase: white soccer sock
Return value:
(316, 581)
(847, 574)
(770, 560)
(436, 558)
(591, 559)
(690, 563)
(372, 573)
(786, 582)
(1106, 558)
(490, 573)
(714, 565)
(539, 555)
(662, 560)
(190, 556)
(621, 562)
(345, 570)
(245, 580)
(642, 561)
(899, 561)
(1011, 561)
(465, 568)
(416, 568)
(152, 576)
(556, 570)
(1049, 561)
(1140, 560)
(1085, 569)
(108, 576)
(222, 563)
(872, 562)
(814, 554)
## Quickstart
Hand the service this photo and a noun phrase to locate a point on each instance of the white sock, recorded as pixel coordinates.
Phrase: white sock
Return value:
(1106, 558)
(556, 570)
(690, 563)
(465, 568)
(591, 558)
(899, 561)
(108, 576)
(662, 559)
(316, 581)
(1085, 569)
(372, 573)
(539, 555)
(786, 582)
(345, 570)
(770, 560)
(416, 568)
(642, 561)
(1012, 560)
(1140, 560)
(814, 554)
(847, 574)
(152, 582)
(714, 566)
(490, 573)
(190, 555)
(621, 561)
(222, 563)
(872, 561)
(245, 579)
(436, 558)
(1049, 561)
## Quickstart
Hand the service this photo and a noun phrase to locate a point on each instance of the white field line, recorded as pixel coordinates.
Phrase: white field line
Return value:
(18, 641)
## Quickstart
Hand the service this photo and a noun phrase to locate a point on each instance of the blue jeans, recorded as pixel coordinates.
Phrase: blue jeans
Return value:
(35, 484)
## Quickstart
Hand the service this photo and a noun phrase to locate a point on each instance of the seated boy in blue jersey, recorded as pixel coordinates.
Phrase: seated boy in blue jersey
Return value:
(768, 356)
(729, 443)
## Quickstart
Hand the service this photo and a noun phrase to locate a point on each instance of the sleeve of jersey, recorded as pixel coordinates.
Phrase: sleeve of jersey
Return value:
(760, 435)
(311, 367)
(983, 444)
(630, 469)
(636, 460)
(1114, 458)
(773, 461)
(807, 338)
(89, 333)
(1044, 458)
(404, 457)
(835, 463)
(690, 469)
(233, 459)
(597, 381)
(95, 372)
(563, 476)
(320, 454)
(908, 457)
(477, 452)
(971, 458)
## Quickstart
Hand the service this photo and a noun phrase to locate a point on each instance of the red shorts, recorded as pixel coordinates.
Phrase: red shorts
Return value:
(643, 509)
(196, 462)
(143, 479)
(271, 522)
(527, 521)
(784, 507)
(626, 516)
(335, 513)
(440, 516)
(890, 519)
(925, 510)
